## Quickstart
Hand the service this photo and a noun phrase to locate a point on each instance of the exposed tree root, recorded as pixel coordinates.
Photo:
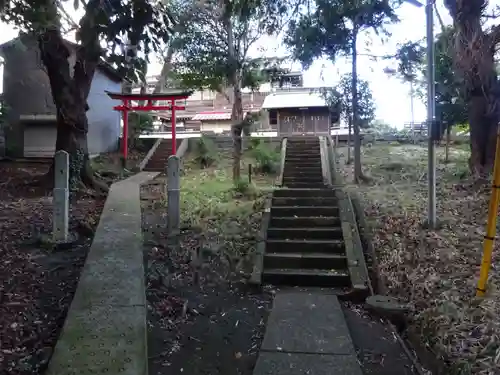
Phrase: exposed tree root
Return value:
(90, 181)
(362, 179)
(87, 183)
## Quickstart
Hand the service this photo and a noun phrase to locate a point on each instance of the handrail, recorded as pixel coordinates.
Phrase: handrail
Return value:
(279, 180)
(150, 153)
(332, 161)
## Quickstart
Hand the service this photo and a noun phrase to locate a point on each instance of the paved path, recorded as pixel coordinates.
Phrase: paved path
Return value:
(105, 330)
(307, 334)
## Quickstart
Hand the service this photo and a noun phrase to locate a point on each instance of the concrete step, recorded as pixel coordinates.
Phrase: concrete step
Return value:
(314, 167)
(334, 233)
(304, 211)
(302, 161)
(307, 334)
(302, 164)
(306, 277)
(306, 148)
(306, 151)
(291, 180)
(308, 260)
(302, 246)
(157, 164)
(301, 176)
(302, 172)
(305, 185)
(152, 169)
(307, 201)
(304, 222)
(302, 158)
(302, 143)
(310, 169)
(300, 193)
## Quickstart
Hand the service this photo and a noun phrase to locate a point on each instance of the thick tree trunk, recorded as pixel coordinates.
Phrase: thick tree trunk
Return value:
(70, 92)
(349, 139)
(483, 128)
(358, 173)
(447, 145)
(474, 60)
(163, 81)
(237, 130)
(235, 83)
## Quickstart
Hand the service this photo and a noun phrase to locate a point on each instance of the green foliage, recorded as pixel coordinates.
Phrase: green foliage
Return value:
(245, 188)
(140, 123)
(254, 143)
(205, 152)
(145, 24)
(380, 127)
(213, 46)
(266, 158)
(329, 28)
(451, 106)
(339, 99)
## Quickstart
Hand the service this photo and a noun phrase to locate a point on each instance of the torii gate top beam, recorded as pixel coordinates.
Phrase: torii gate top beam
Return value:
(150, 99)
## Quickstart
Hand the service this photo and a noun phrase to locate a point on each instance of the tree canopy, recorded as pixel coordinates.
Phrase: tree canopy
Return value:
(215, 45)
(213, 51)
(330, 29)
(451, 106)
(105, 31)
(339, 98)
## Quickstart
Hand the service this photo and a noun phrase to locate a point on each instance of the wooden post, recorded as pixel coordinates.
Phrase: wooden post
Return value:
(61, 197)
(173, 195)
(249, 173)
(447, 146)
(174, 128)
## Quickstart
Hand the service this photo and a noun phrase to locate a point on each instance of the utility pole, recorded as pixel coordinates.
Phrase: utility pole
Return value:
(431, 114)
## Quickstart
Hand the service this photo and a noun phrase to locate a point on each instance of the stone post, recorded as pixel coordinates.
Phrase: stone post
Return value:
(173, 195)
(61, 197)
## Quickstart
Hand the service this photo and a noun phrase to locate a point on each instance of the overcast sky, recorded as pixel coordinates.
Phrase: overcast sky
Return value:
(391, 95)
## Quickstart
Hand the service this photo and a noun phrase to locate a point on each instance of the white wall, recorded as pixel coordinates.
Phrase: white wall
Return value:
(104, 122)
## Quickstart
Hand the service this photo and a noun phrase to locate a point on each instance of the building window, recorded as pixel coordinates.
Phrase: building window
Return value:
(273, 117)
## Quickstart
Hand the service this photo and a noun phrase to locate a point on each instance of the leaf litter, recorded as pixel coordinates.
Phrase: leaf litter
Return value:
(435, 271)
(203, 317)
(37, 282)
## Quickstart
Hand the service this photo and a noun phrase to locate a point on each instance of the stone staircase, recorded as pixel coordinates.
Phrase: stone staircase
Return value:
(158, 161)
(305, 244)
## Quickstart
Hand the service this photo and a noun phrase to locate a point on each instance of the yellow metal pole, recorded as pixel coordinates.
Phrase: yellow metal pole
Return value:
(491, 226)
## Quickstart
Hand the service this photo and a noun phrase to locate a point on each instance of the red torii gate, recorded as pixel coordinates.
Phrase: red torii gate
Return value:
(150, 105)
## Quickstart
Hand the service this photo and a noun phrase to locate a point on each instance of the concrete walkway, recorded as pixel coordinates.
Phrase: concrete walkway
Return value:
(307, 334)
(105, 330)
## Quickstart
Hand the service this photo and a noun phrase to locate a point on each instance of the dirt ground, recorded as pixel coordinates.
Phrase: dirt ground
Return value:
(435, 271)
(203, 317)
(38, 280)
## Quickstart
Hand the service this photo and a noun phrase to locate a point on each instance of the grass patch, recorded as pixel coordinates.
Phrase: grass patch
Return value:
(228, 215)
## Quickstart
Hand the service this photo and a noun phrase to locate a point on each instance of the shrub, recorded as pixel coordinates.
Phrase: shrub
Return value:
(254, 143)
(205, 152)
(246, 189)
(266, 158)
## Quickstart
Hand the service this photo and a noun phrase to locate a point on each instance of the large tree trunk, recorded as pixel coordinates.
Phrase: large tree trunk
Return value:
(349, 139)
(483, 128)
(235, 82)
(358, 173)
(70, 93)
(474, 60)
(237, 130)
